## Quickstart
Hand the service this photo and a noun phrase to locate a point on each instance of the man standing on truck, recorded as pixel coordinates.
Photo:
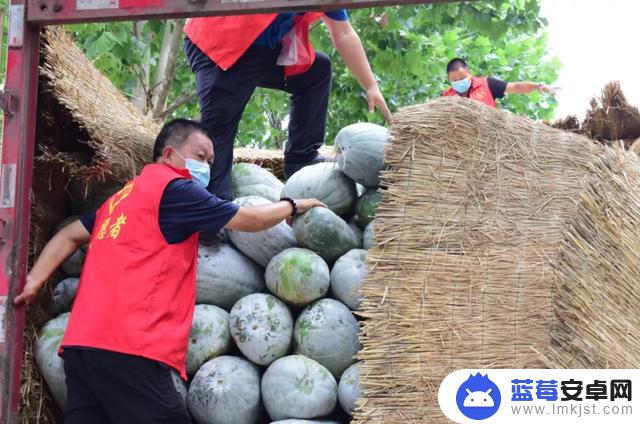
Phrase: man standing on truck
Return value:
(232, 55)
(131, 318)
(485, 90)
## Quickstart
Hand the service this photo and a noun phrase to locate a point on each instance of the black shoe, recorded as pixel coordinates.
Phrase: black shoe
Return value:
(292, 168)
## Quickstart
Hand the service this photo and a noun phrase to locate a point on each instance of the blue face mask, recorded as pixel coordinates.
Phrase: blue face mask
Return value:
(462, 86)
(200, 171)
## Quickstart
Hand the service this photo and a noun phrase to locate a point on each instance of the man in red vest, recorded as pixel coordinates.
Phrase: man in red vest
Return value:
(485, 90)
(130, 321)
(232, 55)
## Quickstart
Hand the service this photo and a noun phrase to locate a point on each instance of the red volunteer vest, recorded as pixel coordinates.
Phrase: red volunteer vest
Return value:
(226, 38)
(137, 292)
(479, 91)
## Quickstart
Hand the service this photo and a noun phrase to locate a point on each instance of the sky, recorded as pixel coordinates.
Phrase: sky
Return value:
(596, 41)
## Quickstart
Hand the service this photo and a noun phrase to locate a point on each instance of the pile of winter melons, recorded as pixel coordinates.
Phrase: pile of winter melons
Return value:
(273, 338)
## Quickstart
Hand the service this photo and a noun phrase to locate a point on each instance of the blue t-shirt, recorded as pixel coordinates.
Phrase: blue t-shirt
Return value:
(272, 36)
(185, 208)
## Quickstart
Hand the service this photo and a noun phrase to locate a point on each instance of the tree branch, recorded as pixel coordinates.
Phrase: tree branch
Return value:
(182, 99)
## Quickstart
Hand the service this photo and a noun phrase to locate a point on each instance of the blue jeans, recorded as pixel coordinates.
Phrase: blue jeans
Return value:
(223, 96)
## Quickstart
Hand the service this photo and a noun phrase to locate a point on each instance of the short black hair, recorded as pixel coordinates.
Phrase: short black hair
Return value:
(175, 134)
(455, 64)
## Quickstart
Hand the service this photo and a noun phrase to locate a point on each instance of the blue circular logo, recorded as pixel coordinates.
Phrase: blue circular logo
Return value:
(478, 398)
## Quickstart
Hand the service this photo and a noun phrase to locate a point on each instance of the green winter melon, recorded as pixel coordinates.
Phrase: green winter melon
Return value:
(63, 295)
(225, 275)
(49, 363)
(327, 332)
(367, 236)
(226, 390)
(324, 232)
(209, 336)
(298, 387)
(248, 179)
(361, 150)
(325, 182)
(298, 276)
(367, 206)
(347, 276)
(349, 388)
(357, 231)
(263, 245)
(262, 327)
(72, 266)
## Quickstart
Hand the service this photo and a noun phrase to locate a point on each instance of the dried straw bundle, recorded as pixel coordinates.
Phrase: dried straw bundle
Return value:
(514, 210)
(611, 117)
(120, 136)
(273, 160)
(597, 303)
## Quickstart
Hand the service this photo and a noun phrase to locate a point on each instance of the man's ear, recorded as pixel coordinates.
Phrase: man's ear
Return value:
(167, 154)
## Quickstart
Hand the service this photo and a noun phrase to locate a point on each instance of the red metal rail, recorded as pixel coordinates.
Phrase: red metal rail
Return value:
(19, 101)
(49, 12)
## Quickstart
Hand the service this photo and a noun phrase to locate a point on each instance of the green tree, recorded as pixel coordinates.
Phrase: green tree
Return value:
(409, 46)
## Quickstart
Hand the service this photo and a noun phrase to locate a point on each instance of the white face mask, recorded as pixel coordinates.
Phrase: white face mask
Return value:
(200, 171)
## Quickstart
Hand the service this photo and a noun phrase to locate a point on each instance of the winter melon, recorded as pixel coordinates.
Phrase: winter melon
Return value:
(262, 328)
(49, 363)
(367, 206)
(263, 245)
(367, 236)
(347, 276)
(209, 336)
(358, 232)
(63, 295)
(298, 387)
(327, 332)
(298, 276)
(248, 179)
(226, 390)
(72, 266)
(361, 150)
(323, 181)
(349, 388)
(181, 387)
(324, 232)
(224, 275)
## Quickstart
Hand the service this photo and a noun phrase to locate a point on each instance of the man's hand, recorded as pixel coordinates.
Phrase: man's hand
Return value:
(349, 46)
(304, 205)
(29, 293)
(376, 101)
(544, 88)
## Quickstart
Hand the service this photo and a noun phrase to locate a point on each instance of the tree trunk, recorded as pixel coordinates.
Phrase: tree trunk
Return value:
(141, 91)
(166, 70)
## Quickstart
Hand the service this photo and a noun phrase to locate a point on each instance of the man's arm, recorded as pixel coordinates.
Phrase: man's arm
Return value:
(349, 46)
(252, 219)
(524, 87)
(59, 248)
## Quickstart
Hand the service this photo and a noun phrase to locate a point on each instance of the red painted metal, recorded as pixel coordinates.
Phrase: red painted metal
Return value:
(17, 163)
(48, 12)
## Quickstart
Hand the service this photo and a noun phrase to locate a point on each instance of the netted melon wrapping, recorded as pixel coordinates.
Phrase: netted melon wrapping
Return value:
(492, 240)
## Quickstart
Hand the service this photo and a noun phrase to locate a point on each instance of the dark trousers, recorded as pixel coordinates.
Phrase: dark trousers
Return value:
(112, 388)
(223, 96)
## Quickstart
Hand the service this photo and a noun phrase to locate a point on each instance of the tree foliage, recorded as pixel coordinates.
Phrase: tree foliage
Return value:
(408, 47)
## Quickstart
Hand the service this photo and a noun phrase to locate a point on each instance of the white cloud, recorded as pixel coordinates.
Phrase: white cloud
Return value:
(597, 42)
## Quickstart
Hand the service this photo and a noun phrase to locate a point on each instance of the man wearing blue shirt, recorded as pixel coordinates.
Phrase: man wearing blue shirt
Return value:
(231, 56)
